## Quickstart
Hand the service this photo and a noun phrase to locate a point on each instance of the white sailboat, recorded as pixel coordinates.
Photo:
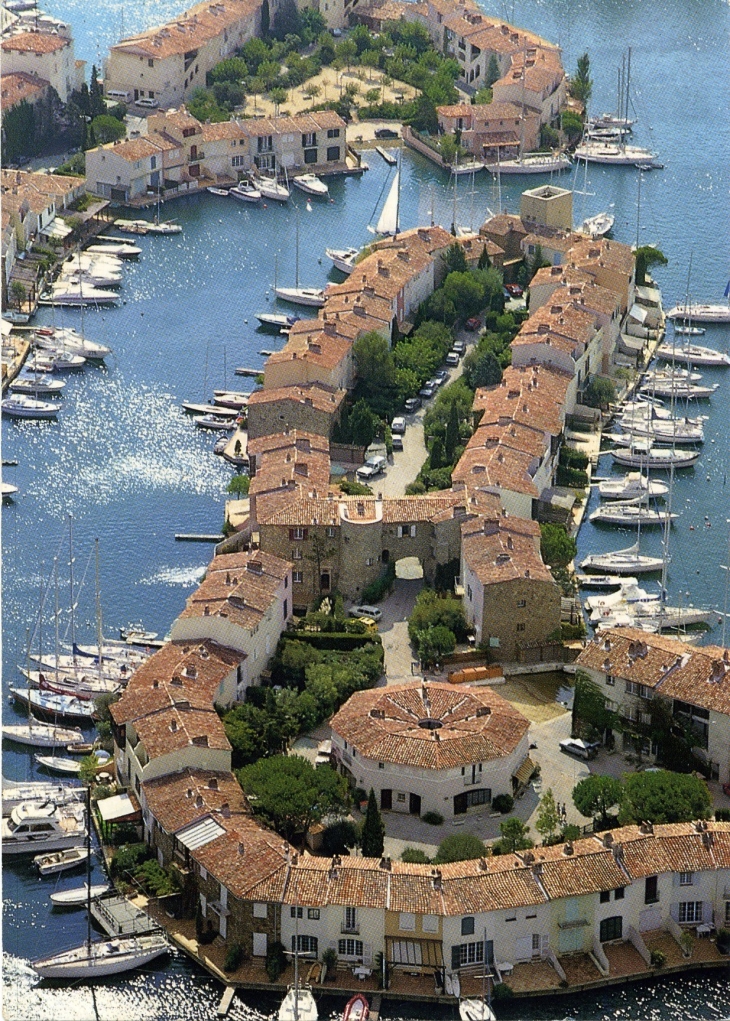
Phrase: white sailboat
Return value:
(617, 153)
(271, 188)
(298, 1004)
(78, 895)
(642, 454)
(22, 406)
(311, 296)
(389, 220)
(630, 514)
(67, 340)
(480, 1008)
(599, 225)
(693, 354)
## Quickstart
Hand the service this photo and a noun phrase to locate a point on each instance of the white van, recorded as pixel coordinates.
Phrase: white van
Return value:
(148, 104)
(119, 96)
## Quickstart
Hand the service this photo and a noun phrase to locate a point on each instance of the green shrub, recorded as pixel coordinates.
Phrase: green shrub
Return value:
(433, 818)
(573, 458)
(658, 958)
(722, 814)
(502, 991)
(154, 879)
(128, 858)
(339, 837)
(234, 957)
(379, 589)
(275, 960)
(415, 856)
(571, 477)
(503, 803)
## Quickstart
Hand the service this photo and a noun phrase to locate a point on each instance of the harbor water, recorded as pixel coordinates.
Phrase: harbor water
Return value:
(132, 469)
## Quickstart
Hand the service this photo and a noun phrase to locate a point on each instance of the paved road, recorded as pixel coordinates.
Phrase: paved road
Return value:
(401, 662)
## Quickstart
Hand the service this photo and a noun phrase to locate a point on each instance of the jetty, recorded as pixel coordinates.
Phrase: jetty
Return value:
(389, 158)
(248, 372)
(119, 916)
(197, 537)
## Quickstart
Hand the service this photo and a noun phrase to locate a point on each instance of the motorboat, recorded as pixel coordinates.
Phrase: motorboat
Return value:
(59, 764)
(53, 862)
(343, 258)
(44, 361)
(40, 383)
(214, 422)
(627, 561)
(690, 331)
(221, 192)
(602, 581)
(8, 490)
(630, 514)
(612, 121)
(532, 163)
(233, 399)
(136, 634)
(630, 485)
(122, 249)
(669, 374)
(694, 354)
(65, 339)
(644, 455)
(357, 1008)
(42, 826)
(310, 296)
(271, 189)
(22, 406)
(298, 1005)
(49, 705)
(15, 792)
(311, 185)
(599, 225)
(700, 313)
(76, 294)
(41, 735)
(278, 320)
(245, 191)
(78, 895)
(133, 226)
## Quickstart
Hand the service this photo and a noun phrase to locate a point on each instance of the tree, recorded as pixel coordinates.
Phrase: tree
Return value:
(514, 836)
(108, 129)
(424, 117)
(455, 259)
(484, 262)
(493, 72)
(239, 486)
(347, 51)
(435, 642)
(452, 438)
(481, 368)
(19, 293)
(312, 91)
(320, 552)
(277, 97)
(599, 392)
(437, 457)
(373, 829)
(596, 795)
(589, 707)
(464, 292)
(291, 794)
(547, 822)
(459, 847)
(581, 85)
(647, 256)
(556, 546)
(451, 151)
(664, 797)
(572, 125)
(362, 424)
(376, 372)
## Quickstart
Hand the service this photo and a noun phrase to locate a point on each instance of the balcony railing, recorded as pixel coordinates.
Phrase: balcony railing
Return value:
(350, 930)
(197, 157)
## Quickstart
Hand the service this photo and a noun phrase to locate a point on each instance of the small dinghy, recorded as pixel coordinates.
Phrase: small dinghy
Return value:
(79, 895)
(60, 861)
(59, 764)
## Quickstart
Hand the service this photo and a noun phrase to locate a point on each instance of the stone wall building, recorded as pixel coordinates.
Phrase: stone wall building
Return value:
(47, 57)
(314, 408)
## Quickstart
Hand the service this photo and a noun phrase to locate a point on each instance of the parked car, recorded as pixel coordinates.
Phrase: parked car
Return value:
(398, 425)
(581, 749)
(385, 133)
(441, 376)
(452, 358)
(514, 290)
(427, 390)
(397, 443)
(459, 346)
(372, 467)
(365, 611)
(473, 324)
(412, 404)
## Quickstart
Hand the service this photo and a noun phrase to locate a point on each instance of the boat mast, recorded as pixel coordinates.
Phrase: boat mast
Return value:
(99, 628)
(88, 869)
(71, 582)
(638, 208)
(56, 610)
(296, 964)
(397, 198)
(296, 256)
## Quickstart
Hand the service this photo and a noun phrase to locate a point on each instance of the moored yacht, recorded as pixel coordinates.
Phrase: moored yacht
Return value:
(311, 185)
(343, 258)
(21, 406)
(42, 826)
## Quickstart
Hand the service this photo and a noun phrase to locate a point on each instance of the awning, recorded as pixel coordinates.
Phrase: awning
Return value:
(649, 295)
(414, 952)
(638, 314)
(631, 345)
(117, 808)
(199, 833)
(57, 228)
(523, 774)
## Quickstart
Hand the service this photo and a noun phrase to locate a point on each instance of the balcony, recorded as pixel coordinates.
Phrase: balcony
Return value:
(350, 930)
(196, 158)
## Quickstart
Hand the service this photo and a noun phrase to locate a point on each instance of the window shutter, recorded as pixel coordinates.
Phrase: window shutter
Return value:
(455, 958)
(413, 531)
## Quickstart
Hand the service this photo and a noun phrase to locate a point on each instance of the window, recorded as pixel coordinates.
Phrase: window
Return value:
(297, 533)
(536, 942)
(333, 153)
(369, 562)
(238, 161)
(521, 603)
(520, 627)
(150, 63)
(690, 911)
(296, 553)
(467, 953)
(266, 143)
(401, 798)
(297, 912)
(467, 925)
(610, 680)
(430, 923)
(309, 139)
(260, 910)
(350, 920)
(611, 928)
(381, 765)
(651, 893)
(313, 914)
(349, 948)
(632, 688)
(305, 944)
(333, 132)
(619, 893)
(331, 533)
(605, 896)
(685, 878)
(727, 912)
(298, 577)
(407, 921)
(310, 155)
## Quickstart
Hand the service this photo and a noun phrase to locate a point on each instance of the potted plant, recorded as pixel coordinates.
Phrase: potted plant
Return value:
(723, 941)
(658, 959)
(687, 942)
(329, 960)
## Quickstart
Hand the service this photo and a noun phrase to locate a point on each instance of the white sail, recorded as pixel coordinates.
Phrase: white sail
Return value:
(388, 222)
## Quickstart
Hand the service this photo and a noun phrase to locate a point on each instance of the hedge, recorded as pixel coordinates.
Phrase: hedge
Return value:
(571, 477)
(329, 640)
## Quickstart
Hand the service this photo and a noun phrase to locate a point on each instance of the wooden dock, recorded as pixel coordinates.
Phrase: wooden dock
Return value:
(120, 917)
(248, 372)
(197, 537)
(389, 158)
(224, 1006)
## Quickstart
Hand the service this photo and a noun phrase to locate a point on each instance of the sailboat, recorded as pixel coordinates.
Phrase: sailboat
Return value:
(630, 513)
(298, 1004)
(271, 188)
(389, 220)
(92, 960)
(158, 226)
(311, 296)
(479, 1008)
(617, 153)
